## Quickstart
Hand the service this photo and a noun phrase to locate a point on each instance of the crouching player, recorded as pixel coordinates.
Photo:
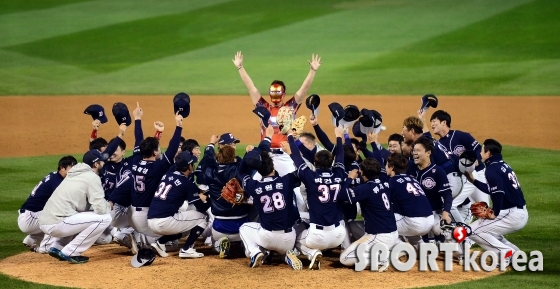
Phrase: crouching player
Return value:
(164, 217)
(380, 225)
(273, 196)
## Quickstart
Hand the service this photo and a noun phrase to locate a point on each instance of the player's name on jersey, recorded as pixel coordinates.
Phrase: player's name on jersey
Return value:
(428, 252)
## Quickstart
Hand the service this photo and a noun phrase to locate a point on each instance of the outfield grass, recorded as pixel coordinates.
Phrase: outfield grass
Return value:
(536, 170)
(479, 47)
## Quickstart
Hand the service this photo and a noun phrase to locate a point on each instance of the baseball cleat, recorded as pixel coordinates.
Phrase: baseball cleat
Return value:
(160, 249)
(78, 259)
(55, 253)
(256, 260)
(190, 253)
(458, 260)
(224, 247)
(133, 244)
(384, 266)
(293, 260)
(316, 261)
(124, 240)
(31, 248)
(268, 256)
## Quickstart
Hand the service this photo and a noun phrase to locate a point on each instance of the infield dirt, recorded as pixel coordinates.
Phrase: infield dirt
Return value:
(46, 125)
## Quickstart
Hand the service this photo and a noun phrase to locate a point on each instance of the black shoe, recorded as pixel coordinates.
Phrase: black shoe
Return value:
(78, 259)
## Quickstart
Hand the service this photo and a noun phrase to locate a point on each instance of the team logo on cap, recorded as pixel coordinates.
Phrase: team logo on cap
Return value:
(429, 183)
(100, 113)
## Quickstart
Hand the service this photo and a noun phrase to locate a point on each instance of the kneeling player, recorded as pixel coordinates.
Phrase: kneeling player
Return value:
(164, 217)
(378, 214)
(273, 197)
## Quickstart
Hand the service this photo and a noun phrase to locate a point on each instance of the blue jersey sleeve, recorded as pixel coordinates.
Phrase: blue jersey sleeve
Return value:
(495, 183)
(173, 145)
(444, 190)
(323, 138)
(264, 145)
(112, 146)
(138, 133)
(295, 155)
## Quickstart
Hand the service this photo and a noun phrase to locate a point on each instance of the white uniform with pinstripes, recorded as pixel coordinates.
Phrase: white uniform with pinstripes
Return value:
(66, 215)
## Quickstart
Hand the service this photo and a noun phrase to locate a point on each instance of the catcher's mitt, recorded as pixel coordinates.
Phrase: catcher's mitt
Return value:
(233, 193)
(481, 210)
(284, 119)
(298, 124)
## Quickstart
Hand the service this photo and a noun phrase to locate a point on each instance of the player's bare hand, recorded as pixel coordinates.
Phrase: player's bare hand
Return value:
(178, 119)
(286, 147)
(469, 176)
(159, 126)
(371, 137)
(353, 174)
(313, 120)
(214, 139)
(445, 216)
(249, 148)
(339, 131)
(269, 131)
(315, 62)
(122, 130)
(96, 124)
(202, 197)
(422, 114)
(138, 112)
(238, 59)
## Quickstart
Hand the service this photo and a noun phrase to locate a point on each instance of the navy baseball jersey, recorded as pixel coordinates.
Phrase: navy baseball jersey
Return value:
(456, 142)
(273, 197)
(374, 197)
(122, 194)
(147, 174)
(350, 210)
(433, 180)
(42, 192)
(173, 190)
(408, 197)
(503, 186)
(322, 186)
(442, 157)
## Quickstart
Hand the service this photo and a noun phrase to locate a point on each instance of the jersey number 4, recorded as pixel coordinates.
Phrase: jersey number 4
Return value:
(276, 201)
(326, 190)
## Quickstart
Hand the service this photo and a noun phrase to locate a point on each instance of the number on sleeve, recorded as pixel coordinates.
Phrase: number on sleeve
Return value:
(277, 201)
(139, 184)
(162, 191)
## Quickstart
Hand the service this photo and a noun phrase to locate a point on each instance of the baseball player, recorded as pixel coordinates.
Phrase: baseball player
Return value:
(374, 197)
(164, 216)
(28, 219)
(510, 211)
(327, 229)
(413, 128)
(457, 142)
(148, 167)
(282, 163)
(66, 215)
(273, 197)
(413, 212)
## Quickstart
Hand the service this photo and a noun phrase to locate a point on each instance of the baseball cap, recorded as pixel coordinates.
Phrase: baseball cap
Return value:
(370, 121)
(145, 257)
(337, 113)
(182, 104)
(351, 114)
(253, 159)
(312, 102)
(121, 113)
(184, 159)
(93, 156)
(227, 138)
(97, 112)
(429, 100)
(263, 113)
(356, 130)
(467, 161)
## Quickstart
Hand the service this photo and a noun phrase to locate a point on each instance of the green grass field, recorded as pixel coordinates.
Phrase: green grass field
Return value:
(478, 47)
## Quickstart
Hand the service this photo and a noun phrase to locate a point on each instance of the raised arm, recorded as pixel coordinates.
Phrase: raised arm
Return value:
(253, 91)
(264, 145)
(114, 144)
(292, 149)
(339, 150)
(138, 134)
(95, 124)
(323, 138)
(313, 66)
(175, 139)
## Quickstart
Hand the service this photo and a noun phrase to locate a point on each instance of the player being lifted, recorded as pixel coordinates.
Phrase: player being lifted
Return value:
(273, 197)
(282, 163)
(323, 185)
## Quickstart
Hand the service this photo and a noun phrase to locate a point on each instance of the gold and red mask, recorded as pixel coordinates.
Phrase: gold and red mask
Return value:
(276, 93)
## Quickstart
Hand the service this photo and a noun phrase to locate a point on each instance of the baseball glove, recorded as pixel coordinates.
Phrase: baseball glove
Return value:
(481, 210)
(233, 193)
(298, 124)
(284, 119)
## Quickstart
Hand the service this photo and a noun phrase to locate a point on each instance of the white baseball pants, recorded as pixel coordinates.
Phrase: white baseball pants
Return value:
(87, 227)
(255, 237)
(476, 194)
(318, 238)
(354, 231)
(28, 222)
(418, 226)
(181, 222)
(138, 219)
(348, 256)
(489, 234)
(120, 216)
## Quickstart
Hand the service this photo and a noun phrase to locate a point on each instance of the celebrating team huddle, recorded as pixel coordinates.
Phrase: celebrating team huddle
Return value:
(290, 196)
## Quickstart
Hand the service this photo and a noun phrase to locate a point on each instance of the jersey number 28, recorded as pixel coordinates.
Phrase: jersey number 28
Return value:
(276, 201)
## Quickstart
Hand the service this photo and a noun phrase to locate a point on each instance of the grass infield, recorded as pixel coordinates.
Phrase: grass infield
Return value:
(536, 170)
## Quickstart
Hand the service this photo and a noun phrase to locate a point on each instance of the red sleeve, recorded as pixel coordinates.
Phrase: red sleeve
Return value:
(292, 103)
(263, 102)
